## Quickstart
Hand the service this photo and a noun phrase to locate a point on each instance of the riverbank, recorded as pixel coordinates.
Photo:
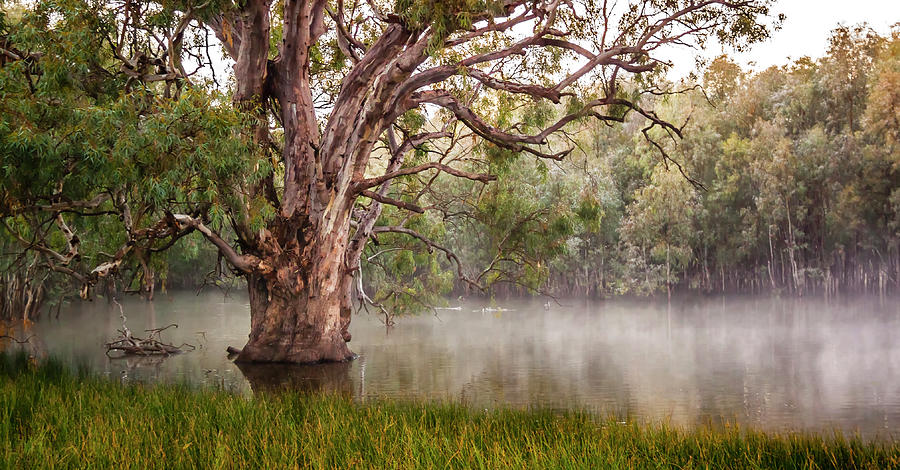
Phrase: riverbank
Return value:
(51, 416)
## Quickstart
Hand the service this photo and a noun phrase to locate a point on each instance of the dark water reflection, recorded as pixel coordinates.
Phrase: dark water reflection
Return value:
(769, 363)
(328, 378)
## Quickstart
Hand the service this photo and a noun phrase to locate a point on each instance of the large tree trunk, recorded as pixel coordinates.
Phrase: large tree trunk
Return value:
(301, 311)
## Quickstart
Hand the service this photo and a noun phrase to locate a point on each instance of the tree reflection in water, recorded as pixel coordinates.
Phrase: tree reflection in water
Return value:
(329, 377)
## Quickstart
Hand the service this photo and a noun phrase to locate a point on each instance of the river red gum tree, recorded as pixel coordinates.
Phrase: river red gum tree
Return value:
(389, 59)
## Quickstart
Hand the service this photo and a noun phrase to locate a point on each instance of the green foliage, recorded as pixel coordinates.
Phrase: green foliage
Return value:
(722, 77)
(659, 227)
(443, 17)
(405, 274)
(882, 118)
(72, 129)
(538, 115)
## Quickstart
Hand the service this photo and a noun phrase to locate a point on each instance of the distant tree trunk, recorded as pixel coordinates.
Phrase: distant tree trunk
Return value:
(708, 282)
(897, 265)
(23, 294)
(722, 272)
(148, 276)
(668, 272)
(771, 259)
(792, 245)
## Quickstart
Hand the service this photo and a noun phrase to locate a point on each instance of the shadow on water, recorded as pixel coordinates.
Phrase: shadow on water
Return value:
(330, 377)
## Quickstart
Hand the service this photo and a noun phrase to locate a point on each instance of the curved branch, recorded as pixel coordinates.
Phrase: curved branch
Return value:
(67, 271)
(244, 263)
(67, 205)
(361, 185)
(514, 142)
(431, 246)
(391, 201)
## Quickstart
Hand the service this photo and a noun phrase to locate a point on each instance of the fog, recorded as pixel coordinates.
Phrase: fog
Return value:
(773, 364)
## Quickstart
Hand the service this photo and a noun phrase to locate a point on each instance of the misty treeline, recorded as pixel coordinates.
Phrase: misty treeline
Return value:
(787, 180)
(784, 181)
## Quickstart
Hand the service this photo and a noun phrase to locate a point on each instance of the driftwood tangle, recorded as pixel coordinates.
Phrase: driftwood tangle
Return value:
(130, 345)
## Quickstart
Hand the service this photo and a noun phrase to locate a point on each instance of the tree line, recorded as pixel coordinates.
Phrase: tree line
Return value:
(787, 180)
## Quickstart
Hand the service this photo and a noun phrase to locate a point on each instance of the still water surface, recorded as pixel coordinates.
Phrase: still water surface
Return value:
(768, 363)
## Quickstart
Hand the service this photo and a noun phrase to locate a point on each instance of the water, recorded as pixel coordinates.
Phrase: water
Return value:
(771, 364)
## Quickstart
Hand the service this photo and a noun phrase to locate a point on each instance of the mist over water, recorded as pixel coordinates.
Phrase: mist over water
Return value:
(774, 364)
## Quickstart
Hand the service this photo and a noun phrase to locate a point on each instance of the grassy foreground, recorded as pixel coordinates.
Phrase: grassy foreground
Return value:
(53, 417)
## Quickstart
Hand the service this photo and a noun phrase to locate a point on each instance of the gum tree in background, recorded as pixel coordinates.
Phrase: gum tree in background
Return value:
(337, 106)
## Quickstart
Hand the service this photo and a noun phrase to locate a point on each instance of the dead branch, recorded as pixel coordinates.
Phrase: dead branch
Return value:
(451, 256)
(153, 345)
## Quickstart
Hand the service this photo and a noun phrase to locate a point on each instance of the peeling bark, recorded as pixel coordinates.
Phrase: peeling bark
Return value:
(300, 311)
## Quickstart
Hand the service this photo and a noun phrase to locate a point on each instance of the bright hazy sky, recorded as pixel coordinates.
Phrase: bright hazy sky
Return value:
(805, 31)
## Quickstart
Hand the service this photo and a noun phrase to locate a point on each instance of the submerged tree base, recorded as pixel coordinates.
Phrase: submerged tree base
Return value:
(50, 414)
(336, 352)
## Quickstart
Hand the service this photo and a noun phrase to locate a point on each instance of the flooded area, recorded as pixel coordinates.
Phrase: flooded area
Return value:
(774, 364)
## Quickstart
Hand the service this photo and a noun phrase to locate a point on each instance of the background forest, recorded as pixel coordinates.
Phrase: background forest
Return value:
(785, 180)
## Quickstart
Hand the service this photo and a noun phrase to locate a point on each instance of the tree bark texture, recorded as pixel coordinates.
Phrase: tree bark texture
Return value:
(299, 299)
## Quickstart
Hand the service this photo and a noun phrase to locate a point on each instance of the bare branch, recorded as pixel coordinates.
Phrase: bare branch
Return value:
(451, 256)
(391, 201)
(372, 182)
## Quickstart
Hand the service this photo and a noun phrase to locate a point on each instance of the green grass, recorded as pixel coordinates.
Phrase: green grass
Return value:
(52, 417)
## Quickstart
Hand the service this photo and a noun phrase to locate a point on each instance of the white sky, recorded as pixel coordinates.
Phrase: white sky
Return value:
(805, 31)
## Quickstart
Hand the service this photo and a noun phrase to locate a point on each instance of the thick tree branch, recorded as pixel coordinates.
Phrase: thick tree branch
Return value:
(391, 201)
(244, 263)
(372, 182)
(228, 28)
(67, 205)
(348, 44)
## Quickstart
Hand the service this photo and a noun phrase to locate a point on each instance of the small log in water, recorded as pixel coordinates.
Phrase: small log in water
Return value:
(131, 345)
(153, 345)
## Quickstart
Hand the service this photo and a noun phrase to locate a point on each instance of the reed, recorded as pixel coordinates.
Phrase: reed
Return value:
(55, 417)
